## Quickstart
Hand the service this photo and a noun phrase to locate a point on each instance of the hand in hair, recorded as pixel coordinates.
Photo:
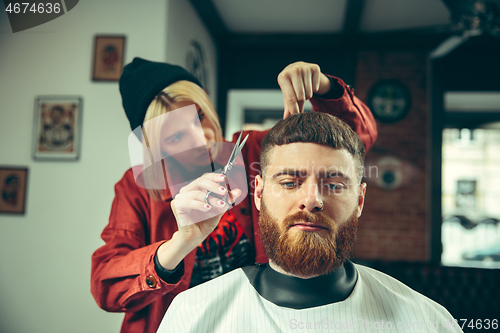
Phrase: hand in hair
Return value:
(195, 218)
(298, 82)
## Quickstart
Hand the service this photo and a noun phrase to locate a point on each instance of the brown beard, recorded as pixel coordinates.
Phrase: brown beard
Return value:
(306, 253)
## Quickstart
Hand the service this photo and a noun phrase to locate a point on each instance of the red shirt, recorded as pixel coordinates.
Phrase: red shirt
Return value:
(123, 277)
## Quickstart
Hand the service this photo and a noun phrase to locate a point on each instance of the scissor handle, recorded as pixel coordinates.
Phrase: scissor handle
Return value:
(225, 198)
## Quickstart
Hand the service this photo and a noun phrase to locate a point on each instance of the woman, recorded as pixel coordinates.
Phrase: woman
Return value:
(152, 249)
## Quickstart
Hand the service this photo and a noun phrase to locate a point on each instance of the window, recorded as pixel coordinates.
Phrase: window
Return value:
(471, 197)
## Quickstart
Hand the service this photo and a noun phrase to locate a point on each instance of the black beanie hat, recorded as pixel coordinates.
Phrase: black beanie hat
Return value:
(142, 80)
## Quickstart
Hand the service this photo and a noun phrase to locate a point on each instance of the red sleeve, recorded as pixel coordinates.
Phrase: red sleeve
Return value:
(351, 110)
(122, 268)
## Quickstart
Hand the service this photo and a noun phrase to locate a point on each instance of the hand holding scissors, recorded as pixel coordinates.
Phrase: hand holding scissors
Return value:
(232, 158)
(195, 215)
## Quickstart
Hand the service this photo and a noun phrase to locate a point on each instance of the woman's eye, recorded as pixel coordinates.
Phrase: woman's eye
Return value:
(201, 115)
(176, 138)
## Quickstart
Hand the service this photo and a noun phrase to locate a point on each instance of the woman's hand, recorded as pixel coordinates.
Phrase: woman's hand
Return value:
(195, 218)
(298, 82)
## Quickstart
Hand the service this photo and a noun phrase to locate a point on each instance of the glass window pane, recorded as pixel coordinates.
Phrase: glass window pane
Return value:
(471, 197)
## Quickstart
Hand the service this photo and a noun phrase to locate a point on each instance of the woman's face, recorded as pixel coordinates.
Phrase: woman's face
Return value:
(181, 135)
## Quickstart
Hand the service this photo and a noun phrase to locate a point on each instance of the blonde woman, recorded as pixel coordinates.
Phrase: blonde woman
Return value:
(153, 250)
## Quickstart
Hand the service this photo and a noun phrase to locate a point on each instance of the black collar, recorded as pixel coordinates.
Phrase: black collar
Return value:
(296, 293)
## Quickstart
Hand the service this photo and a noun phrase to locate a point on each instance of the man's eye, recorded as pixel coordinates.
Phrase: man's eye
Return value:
(335, 187)
(290, 184)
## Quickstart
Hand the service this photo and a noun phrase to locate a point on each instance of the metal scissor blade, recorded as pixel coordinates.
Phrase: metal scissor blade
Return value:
(238, 150)
(242, 144)
(232, 158)
(233, 153)
(239, 139)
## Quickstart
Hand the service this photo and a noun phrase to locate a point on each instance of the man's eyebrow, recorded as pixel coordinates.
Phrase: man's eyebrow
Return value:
(289, 172)
(324, 173)
(335, 174)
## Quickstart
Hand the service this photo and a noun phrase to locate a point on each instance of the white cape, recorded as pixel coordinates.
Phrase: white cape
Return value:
(378, 303)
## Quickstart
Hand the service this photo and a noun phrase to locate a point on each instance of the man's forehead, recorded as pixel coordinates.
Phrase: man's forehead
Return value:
(288, 154)
(310, 158)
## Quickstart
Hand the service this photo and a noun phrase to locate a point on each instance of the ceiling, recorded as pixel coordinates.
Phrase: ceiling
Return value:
(244, 21)
(330, 16)
(348, 23)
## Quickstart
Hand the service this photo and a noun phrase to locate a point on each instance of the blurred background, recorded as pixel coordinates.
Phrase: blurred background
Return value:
(429, 70)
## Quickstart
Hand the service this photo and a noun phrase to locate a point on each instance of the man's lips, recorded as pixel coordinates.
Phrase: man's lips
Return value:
(307, 226)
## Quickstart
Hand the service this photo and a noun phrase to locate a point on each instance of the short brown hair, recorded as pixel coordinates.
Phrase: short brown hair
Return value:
(313, 127)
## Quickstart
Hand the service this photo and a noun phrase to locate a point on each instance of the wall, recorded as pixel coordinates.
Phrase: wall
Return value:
(184, 26)
(45, 254)
(394, 223)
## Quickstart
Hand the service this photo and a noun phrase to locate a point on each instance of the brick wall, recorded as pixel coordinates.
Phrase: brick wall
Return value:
(394, 223)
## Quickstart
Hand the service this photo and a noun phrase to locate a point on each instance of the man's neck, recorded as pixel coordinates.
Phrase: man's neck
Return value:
(287, 290)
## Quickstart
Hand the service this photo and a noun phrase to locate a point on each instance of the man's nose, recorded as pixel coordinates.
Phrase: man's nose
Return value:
(311, 199)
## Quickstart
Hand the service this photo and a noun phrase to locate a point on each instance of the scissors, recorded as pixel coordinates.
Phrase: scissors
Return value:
(232, 158)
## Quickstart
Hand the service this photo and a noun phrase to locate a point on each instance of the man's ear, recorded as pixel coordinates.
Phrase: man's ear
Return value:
(259, 187)
(361, 198)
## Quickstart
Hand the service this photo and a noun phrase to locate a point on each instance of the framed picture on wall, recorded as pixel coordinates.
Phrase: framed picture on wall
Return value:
(109, 54)
(57, 128)
(13, 185)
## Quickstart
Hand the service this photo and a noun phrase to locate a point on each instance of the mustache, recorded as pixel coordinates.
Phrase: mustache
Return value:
(315, 218)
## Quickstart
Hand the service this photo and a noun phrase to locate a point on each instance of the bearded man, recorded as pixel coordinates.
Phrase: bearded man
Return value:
(310, 196)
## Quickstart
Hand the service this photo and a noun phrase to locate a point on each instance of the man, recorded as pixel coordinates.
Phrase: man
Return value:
(310, 197)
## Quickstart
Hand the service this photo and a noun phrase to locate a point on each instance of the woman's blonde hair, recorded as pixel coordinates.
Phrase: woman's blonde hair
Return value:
(180, 91)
